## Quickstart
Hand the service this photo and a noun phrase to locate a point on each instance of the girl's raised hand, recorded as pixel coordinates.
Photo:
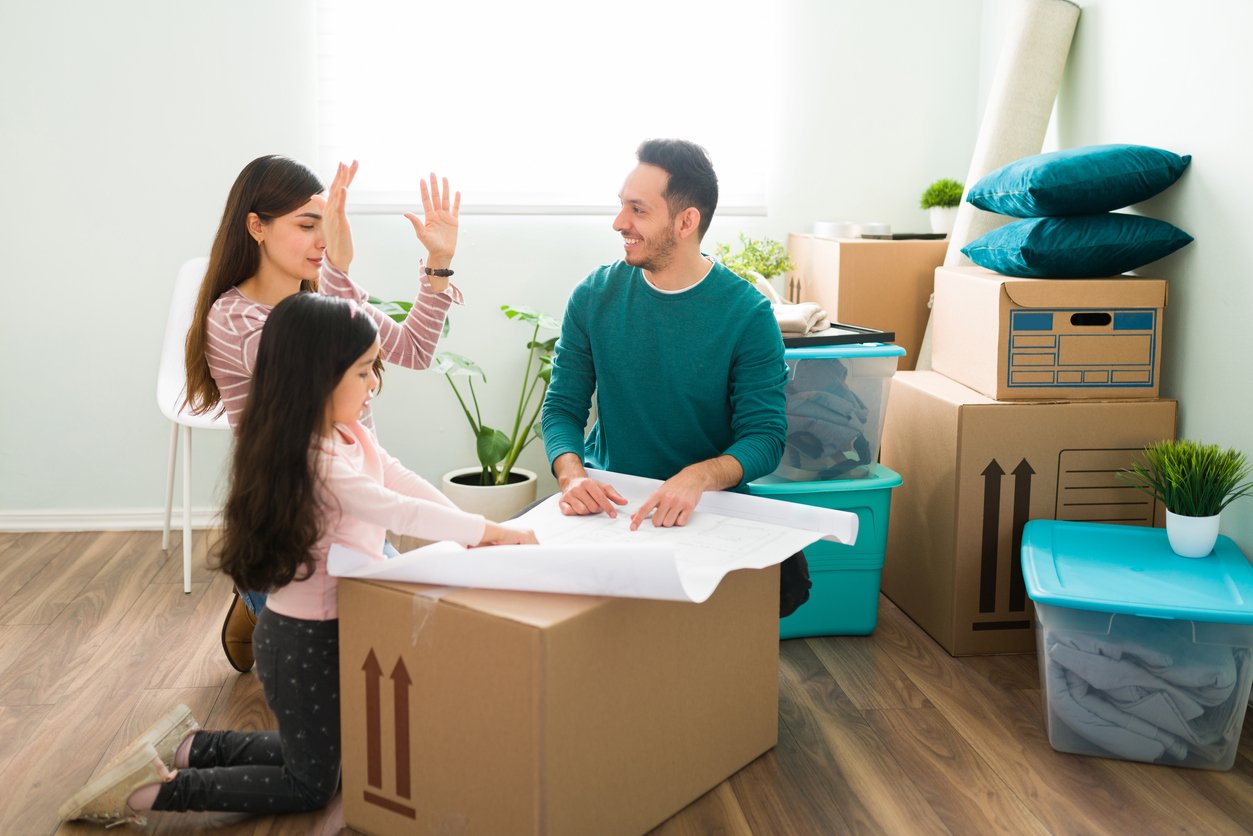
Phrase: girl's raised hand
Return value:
(437, 229)
(499, 535)
(335, 223)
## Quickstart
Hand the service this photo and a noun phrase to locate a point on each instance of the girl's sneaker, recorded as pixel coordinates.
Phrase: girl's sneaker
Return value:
(165, 735)
(103, 800)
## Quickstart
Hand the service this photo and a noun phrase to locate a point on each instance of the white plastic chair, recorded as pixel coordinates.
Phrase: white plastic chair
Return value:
(171, 386)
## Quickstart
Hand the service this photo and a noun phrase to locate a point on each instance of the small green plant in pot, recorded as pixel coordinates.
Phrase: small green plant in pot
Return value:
(497, 450)
(941, 200)
(756, 259)
(764, 259)
(1195, 482)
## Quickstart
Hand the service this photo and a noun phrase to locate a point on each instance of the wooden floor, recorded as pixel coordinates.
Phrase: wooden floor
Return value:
(881, 734)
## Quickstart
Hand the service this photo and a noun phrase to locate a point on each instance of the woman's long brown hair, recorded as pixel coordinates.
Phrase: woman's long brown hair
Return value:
(271, 186)
(275, 508)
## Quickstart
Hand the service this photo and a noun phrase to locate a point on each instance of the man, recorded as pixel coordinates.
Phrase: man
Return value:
(685, 359)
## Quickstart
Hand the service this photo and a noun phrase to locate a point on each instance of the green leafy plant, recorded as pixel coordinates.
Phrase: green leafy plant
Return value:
(944, 193)
(765, 257)
(1191, 479)
(497, 451)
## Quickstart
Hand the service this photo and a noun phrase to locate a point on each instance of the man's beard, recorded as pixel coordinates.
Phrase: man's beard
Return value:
(662, 254)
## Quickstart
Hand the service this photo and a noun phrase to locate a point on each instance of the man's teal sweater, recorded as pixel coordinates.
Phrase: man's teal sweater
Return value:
(678, 378)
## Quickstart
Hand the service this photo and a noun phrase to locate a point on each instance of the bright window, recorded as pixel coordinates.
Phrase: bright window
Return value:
(538, 107)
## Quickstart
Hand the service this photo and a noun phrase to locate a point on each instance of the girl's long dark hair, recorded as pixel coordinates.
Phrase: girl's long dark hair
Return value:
(271, 186)
(273, 513)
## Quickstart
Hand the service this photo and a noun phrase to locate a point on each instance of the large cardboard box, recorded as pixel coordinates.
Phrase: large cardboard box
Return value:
(873, 283)
(974, 471)
(1048, 338)
(489, 712)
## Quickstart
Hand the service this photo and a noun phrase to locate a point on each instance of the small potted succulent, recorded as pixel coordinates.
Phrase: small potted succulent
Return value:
(765, 259)
(941, 200)
(1195, 482)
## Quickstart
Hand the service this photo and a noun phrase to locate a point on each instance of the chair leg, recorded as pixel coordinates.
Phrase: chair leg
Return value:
(187, 509)
(169, 485)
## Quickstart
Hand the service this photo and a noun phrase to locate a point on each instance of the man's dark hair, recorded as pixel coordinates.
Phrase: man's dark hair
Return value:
(692, 178)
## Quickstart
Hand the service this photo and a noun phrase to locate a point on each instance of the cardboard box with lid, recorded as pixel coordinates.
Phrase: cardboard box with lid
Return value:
(873, 283)
(484, 711)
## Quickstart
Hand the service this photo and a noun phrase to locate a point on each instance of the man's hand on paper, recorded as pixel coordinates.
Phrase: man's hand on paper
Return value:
(499, 535)
(673, 502)
(582, 496)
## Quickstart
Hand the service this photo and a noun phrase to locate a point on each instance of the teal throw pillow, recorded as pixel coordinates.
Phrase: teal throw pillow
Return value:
(1085, 246)
(1078, 181)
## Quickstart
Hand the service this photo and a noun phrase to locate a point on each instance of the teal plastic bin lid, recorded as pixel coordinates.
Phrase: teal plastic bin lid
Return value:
(1131, 569)
(828, 352)
(881, 478)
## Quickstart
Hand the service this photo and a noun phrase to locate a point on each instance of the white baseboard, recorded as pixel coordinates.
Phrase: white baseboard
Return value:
(120, 520)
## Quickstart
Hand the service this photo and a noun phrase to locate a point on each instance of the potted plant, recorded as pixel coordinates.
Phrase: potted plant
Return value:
(495, 488)
(941, 200)
(1195, 482)
(765, 259)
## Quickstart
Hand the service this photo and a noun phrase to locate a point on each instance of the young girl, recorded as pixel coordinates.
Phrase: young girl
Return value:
(306, 474)
(279, 235)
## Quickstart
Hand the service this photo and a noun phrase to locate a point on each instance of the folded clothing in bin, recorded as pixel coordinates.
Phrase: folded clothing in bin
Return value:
(826, 425)
(1145, 692)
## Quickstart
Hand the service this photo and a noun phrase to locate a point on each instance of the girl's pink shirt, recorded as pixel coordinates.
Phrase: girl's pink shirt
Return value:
(367, 493)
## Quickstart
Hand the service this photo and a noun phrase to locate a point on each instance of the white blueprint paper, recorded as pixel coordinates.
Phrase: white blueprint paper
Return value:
(597, 555)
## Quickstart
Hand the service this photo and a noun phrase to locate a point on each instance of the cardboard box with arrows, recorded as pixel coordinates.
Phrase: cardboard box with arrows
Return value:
(482, 711)
(974, 470)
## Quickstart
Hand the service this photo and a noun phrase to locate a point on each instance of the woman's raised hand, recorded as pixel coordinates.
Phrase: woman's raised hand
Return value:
(335, 224)
(437, 229)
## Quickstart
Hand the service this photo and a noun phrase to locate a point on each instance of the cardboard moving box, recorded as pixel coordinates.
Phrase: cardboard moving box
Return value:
(872, 283)
(1048, 338)
(974, 471)
(488, 712)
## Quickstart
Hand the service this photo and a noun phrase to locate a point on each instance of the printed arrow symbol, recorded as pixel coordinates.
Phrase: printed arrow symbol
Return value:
(373, 716)
(991, 534)
(1022, 510)
(400, 685)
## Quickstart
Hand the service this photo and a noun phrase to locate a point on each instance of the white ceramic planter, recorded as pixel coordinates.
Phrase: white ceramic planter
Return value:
(942, 218)
(1191, 536)
(496, 502)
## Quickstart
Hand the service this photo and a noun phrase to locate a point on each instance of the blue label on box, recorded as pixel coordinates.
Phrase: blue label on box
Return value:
(1082, 348)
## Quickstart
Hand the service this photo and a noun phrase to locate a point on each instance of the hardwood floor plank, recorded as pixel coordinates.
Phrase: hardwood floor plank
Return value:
(835, 771)
(866, 674)
(87, 628)
(19, 725)
(717, 811)
(202, 541)
(1006, 731)
(16, 640)
(194, 657)
(966, 793)
(26, 560)
(67, 747)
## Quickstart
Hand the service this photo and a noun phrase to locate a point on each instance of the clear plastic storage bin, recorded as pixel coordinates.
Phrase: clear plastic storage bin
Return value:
(836, 400)
(1144, 655)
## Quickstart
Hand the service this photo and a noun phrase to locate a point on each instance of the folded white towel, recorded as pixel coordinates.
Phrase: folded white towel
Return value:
(798, 320)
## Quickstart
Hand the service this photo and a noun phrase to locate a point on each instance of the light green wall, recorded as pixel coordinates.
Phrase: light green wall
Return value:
(1176, 76)
(124, 124)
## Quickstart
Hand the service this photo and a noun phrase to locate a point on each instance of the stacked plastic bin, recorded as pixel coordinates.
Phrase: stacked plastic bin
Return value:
(1144, 655)
(836, 397)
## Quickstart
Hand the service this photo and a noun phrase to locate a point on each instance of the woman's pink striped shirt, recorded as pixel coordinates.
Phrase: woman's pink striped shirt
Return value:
(235, 322)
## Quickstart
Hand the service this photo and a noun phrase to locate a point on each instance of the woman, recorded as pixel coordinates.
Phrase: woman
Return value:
(279, 235)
